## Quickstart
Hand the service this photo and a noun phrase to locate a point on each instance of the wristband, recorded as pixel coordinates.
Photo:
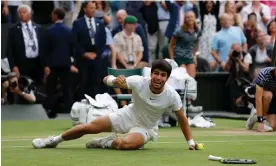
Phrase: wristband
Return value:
(260, 119)
(191, 142)
(109, 80)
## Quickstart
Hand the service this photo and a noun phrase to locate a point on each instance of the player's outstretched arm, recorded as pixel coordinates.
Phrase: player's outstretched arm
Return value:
(184, 125)
(118, 82)
(259, 100)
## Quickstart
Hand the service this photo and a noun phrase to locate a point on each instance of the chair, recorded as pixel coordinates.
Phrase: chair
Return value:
(126, 73)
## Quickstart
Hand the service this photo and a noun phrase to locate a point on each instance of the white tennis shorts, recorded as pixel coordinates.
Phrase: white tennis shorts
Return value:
(124, 122)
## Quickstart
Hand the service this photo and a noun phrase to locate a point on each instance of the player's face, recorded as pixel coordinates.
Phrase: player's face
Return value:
(158, 79)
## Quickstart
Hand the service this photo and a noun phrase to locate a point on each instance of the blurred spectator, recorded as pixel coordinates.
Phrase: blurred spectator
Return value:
(262, 12)
(238, 5)
(149, 11)
(4, 12)
(42, 11)
(177, 11)
(77, 9)
(90, 37)
(238, 65)
(231, 10)
(210, 25)
(163, 18)
(223, 40)
(272, 5)
(134, 8)
(9, 11)
(68, 6)
(14, 92)
(103, 7)
(59, 49)
(129, 48)
(116, 5)
(250, 30)
(261, 53)
(25, 46)
(271, 30)
(121, 14)
(184, 44)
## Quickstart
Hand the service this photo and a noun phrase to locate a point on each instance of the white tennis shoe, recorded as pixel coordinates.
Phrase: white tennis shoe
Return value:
(44, 143)
(101, 142)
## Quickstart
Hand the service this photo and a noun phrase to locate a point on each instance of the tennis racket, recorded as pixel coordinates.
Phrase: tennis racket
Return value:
(231, 161)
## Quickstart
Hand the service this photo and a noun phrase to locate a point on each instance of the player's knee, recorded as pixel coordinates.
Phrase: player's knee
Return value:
(267, 95)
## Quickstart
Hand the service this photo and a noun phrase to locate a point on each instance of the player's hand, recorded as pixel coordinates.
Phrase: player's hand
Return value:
(73, 69)
(90, 55)
(192, 147)
(260, 127)
(119, 80)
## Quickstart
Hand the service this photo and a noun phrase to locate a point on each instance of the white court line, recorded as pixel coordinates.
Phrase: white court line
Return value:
(202, 141)
(16, 139)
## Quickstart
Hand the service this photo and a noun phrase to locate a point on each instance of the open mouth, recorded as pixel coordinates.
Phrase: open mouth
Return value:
(157, 84)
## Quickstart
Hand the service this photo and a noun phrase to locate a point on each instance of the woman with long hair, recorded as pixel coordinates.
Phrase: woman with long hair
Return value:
(271, 30)
(250, 30)
(184, 44)
(209, 27)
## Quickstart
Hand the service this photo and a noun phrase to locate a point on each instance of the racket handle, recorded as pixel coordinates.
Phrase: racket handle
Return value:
(215, 158)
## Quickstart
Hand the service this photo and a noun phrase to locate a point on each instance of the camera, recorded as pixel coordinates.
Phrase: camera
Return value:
(13, 84)
(236, 54)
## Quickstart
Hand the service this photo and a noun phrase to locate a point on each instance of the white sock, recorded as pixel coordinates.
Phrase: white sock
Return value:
(109, 144)
(58, 139)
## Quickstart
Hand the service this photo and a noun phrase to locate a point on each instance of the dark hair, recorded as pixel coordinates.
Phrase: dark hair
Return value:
(269, 26)
(251, 14)
(60, 13)
(162, 65)
(85, 4)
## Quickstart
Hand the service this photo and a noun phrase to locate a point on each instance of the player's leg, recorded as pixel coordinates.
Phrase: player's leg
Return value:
(101, 124)
(191, 69)
(267, 97)
(134, 140)
(271, 117)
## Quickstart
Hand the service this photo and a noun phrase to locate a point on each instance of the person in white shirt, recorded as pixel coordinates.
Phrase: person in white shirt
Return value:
(151, 98)
(261, 10)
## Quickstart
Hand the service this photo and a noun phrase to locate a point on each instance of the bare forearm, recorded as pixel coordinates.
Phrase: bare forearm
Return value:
(113, 55)
(5, 3)
(215, 55)
(245, 67)
(244, 47)
(121, 60)
(139, 58)
(259, 101)
(264, 19)
(185, 128)
(171, 51)
(31, 98)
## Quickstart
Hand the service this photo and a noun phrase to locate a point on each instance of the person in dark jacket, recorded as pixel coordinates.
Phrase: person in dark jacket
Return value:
(59, 49)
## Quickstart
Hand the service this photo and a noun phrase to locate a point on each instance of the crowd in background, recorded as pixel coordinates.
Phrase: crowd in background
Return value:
(84, 38)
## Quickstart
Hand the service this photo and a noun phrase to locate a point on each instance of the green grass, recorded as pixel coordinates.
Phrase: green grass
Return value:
(228, 139)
